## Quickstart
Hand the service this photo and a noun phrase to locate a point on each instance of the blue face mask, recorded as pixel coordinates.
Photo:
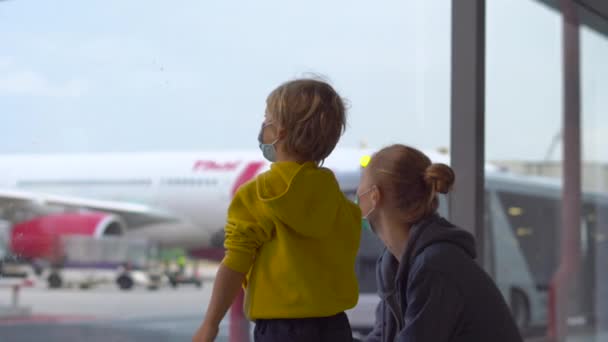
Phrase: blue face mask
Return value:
(366, 220)
(368, 225)
(268, 150)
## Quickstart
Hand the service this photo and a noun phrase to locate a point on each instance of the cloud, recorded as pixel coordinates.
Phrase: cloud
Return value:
(6, 62)
(30, 83)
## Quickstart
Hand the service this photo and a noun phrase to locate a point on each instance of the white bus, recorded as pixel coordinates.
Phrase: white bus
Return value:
(521, 250)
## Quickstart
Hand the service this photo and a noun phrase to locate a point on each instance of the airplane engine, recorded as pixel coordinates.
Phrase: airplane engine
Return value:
(39, 237)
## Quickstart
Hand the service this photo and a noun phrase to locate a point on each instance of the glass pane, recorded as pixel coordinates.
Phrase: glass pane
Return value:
(133, 122)
(523, 125)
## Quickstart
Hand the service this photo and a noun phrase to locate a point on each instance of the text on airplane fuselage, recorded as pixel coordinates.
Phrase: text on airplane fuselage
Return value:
(211, 165)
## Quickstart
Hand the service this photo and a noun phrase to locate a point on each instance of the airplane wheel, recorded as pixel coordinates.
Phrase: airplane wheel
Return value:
(173, 281)
(125, 282)
(55, 281)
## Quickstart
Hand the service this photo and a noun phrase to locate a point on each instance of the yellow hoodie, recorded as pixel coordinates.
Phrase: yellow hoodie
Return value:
(296, 235)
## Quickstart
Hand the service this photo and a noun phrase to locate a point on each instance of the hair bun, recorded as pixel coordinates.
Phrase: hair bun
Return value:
(440, 177)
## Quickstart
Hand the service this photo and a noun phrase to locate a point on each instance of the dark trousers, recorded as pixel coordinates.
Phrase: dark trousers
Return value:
(323, 329)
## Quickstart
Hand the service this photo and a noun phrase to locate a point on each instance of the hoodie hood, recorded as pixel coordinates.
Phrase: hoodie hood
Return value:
(305, 197)
(436, 229)
(429, 231)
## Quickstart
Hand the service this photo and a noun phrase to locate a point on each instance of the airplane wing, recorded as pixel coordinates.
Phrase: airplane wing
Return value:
(135, 215)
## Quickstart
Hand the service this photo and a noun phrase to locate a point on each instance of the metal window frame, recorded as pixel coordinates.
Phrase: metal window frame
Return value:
(599, 7)
(468, 117)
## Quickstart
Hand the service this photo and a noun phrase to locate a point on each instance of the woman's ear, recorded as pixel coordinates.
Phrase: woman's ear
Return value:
(375, 195)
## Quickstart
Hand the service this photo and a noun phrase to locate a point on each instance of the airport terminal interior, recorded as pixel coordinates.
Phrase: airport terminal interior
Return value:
(128, 126)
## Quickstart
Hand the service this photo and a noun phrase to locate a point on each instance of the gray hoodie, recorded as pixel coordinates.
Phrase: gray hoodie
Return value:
(438, 293)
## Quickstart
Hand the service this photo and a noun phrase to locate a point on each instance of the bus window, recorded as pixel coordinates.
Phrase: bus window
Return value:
(534, 221)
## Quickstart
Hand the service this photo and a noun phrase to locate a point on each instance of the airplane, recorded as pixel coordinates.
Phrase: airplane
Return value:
(174, 199)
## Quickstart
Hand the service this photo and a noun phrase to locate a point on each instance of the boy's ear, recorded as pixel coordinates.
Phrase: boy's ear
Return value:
(281, 133)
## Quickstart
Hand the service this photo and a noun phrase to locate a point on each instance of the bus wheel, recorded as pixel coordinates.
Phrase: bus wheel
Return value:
(520, 309)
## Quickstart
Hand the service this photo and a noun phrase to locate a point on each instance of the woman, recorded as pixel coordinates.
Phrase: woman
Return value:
(430, 286)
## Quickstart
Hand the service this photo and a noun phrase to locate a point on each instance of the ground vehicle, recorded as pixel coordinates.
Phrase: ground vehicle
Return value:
(178, 278)
(86, 261)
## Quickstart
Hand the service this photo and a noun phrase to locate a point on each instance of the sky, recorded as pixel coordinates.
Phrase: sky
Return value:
(115, 75)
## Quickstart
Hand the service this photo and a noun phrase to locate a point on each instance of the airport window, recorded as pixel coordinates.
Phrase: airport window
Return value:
(112, 112)
(523, 93)
(591, 285)
(118, 100)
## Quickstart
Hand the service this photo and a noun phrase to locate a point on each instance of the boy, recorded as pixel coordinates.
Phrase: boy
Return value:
(291, 235)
